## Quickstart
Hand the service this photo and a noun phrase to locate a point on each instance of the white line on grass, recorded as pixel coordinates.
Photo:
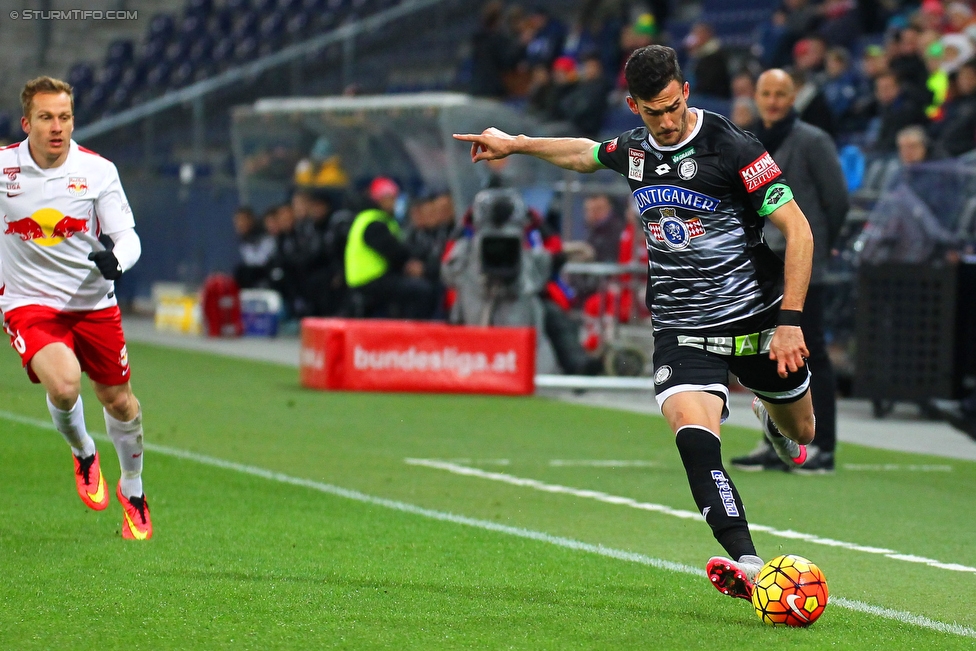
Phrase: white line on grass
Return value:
(600, 496)
(487, 525)
(602, 463)
(897, 467)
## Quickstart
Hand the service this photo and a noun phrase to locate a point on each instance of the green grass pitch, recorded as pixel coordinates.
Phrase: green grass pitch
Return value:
(289, 519)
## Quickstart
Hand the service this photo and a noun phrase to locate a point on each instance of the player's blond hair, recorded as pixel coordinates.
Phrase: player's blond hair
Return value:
(44, 85)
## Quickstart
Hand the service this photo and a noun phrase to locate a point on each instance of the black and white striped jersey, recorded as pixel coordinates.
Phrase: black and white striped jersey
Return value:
(702, 206)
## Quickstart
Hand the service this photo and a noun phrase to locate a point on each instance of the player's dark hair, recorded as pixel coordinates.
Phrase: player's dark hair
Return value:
(649, 69)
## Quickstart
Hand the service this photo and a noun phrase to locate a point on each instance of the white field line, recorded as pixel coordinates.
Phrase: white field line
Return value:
(602, 463)
(897, 467)
(678, 513)
(487, 525)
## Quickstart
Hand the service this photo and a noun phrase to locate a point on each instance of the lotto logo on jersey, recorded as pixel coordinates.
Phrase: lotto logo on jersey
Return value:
(636, 169)
(759, 172)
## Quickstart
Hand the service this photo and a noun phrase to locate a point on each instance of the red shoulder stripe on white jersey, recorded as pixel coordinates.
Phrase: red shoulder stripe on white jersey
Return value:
(89, 151)
(10, 146)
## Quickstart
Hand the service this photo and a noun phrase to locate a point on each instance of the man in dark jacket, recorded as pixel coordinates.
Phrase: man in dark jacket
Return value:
(807, 157)
(955, 134)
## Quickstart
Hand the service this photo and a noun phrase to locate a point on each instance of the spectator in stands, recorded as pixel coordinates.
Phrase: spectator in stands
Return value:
(709, 62)
(807, 157)
(744, 113)
(955, 133)
(379, 267)
(841, 24)
(314, 260)
(285, 271)
(958, 50)
(603, 227)
(544, 36)
(905, 60)
(322, 168)
(787, 25)
(427, 234)
(586, 103)
(883, 172)
(810, 57)
(255, 247)
(811, 103)
(841, 86)
(938, 79)
(495, 52)
(895, 110)
(959, 18)
(597, 29)
(565, 79)
(743, 84)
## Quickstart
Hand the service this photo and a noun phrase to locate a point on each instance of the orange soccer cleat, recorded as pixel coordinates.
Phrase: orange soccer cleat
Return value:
(136, 524)
(90, 482)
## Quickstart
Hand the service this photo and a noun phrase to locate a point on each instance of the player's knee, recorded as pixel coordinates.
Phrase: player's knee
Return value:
(63, 392)
(121, 404)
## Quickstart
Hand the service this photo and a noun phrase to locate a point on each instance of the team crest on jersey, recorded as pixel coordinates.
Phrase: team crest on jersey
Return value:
(675, 233)
(11, 172)
(612, 146)
(77, 186)
(636, 169)
(662, 374)
(687, 169)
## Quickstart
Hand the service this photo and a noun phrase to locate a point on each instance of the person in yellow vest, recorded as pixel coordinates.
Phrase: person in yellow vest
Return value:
(378, 265)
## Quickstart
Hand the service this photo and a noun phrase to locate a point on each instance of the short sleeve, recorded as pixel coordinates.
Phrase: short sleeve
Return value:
(112, 206)
(760, 176)
(612, 154)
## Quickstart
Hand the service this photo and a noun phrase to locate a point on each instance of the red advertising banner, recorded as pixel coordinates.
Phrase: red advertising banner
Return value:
(378, 355)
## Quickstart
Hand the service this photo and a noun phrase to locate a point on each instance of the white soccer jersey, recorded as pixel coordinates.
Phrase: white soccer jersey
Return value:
(50, 217)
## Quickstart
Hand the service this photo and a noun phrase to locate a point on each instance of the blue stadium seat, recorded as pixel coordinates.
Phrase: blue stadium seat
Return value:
(81, 76)
(161, 27)
(246, 49)
(200, 8)
(192, 27)
(223, 51)
(182, 75)
(299, 26)
(265, 7)
(222, 22)
(158, 76)
(247, 25)
(111, 74)
(289, 6)
(119, 51)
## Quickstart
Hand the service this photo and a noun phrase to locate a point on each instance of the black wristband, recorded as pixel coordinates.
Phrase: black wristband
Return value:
(789, 318)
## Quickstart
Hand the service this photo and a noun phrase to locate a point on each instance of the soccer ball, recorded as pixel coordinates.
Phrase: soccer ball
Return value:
(789, 591)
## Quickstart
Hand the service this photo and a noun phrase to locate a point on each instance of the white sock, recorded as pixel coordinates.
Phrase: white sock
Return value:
(71, 424)
(127, 438)
(750, 565)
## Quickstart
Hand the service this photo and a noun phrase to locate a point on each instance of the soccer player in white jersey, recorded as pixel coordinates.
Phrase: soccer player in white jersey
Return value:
(67, 235)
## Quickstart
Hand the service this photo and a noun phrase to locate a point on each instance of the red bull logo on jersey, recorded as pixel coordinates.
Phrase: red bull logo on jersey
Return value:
(77, 186)
(46, 227)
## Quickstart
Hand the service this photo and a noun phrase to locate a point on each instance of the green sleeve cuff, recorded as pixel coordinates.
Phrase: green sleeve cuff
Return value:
(776, 195)
(596, 155)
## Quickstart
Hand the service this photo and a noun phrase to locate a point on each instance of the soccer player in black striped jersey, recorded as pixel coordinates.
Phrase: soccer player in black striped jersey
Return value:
(721, 301)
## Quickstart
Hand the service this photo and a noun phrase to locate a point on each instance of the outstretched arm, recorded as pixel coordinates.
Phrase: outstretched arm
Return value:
(576, 154)
(788, 347)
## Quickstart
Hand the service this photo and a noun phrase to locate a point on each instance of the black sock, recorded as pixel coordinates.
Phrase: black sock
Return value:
(714, 492)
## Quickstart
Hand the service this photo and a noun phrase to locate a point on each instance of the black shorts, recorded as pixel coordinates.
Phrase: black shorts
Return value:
(701, 361)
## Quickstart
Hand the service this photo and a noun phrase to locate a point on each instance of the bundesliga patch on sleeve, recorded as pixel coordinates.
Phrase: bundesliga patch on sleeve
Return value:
(612, 146)
(759, 172)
